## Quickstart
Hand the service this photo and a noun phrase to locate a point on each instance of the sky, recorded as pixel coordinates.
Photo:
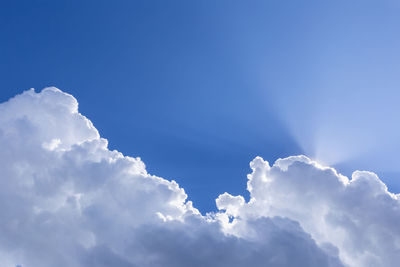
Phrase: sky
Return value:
(213, 84)
(209, 94)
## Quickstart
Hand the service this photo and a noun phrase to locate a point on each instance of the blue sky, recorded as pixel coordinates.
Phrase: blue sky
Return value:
(197, 89)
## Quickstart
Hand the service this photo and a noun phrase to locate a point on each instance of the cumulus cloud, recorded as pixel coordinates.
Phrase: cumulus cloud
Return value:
(359, 218)
(67, 200)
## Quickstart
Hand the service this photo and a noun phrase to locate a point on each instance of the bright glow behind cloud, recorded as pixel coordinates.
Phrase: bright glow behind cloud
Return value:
(341, 111)
(66, 200)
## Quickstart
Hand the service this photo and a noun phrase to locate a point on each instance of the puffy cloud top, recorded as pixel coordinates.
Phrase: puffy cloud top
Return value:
(67, 200)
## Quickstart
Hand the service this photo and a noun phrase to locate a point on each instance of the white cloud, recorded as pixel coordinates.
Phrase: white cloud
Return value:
(359, 217)
(66, 200)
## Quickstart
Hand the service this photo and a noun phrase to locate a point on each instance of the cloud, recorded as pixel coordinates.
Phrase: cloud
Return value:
(358, 217)
(67, 200)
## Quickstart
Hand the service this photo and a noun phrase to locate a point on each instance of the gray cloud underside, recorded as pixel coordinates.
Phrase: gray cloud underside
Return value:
(67, 200)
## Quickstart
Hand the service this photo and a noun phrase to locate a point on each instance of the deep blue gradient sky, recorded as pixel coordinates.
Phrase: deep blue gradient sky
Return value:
(199, 88)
